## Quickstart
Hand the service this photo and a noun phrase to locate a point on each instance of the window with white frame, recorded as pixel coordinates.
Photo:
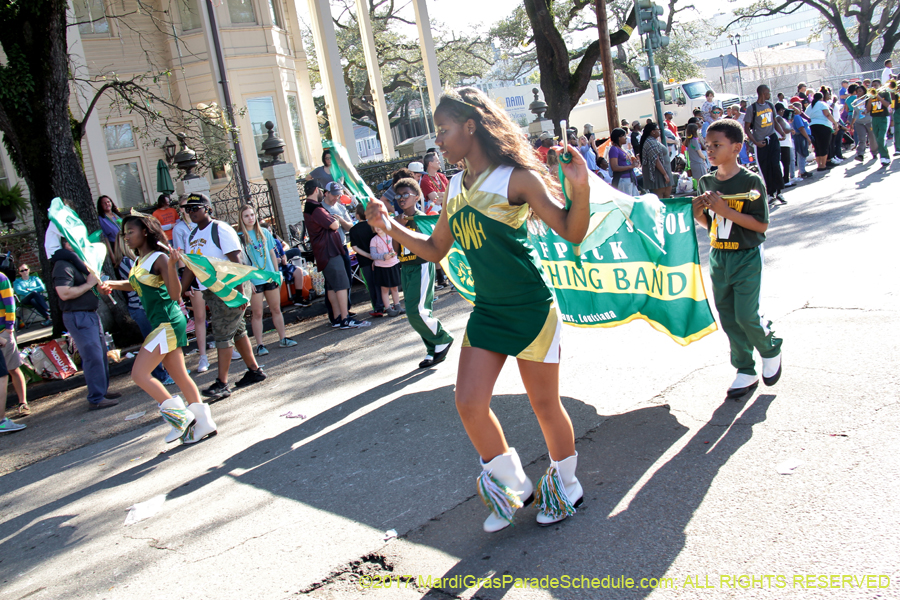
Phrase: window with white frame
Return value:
(273, 12)
(241, 11)
(261, 110)
(119, 137)
(128, 180)
(190, 17)
(294, 113)
(91, 17)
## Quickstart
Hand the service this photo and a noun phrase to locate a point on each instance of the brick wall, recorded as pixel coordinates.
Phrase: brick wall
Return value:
(24, 248)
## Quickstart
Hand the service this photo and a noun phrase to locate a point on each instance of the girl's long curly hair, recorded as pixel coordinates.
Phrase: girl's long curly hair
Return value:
(500, 137)
(149, 224)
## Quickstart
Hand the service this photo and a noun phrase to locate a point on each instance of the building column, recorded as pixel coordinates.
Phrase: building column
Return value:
(309, 123)
(429, 56)
(282, 180)
(374, 71)
(330, 71)
(197, 185)
(96, 141)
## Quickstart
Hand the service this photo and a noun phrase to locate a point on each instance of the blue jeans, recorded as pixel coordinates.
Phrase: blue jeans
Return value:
(37, 300)
(86, 330)
(143, 323)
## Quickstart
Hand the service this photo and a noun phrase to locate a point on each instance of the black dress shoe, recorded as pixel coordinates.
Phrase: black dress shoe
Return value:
(103, 404)
(441, 356)
(112, 395)
(739, 393)
(438, 357)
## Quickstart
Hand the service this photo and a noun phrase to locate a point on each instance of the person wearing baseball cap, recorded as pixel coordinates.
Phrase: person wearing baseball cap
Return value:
(218, 240)
(329, 253)
(418, 169)
(332, 203)
(544, 148)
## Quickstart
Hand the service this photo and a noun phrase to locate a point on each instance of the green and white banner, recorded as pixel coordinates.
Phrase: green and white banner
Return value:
(648, 268)
(72, 228)
(639, 260)
(225, 278)
(342, 170)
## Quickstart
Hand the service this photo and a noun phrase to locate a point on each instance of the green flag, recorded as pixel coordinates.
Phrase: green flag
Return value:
(71, 227)
(343, 170)
(648, 268)
(224, 278)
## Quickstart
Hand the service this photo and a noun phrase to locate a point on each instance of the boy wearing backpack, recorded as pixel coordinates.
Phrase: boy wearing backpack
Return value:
(764, 131)
(217, 240)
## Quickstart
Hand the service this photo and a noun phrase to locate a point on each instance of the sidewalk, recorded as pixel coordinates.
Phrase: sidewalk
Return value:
(37, 391)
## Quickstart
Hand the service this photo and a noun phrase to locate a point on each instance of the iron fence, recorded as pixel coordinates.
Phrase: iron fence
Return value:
(227, 202)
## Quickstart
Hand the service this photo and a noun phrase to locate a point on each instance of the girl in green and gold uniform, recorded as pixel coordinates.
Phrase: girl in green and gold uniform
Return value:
(155, 279)
(515, 314)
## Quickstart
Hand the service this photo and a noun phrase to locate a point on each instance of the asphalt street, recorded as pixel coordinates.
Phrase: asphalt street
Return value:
(682, 488)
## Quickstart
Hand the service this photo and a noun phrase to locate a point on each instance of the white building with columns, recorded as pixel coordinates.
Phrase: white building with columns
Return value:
(265, 73)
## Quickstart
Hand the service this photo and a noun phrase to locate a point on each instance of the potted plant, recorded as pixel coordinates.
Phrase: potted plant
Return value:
(13, 203)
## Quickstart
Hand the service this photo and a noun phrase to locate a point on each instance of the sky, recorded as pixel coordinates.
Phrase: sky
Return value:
(459, 15)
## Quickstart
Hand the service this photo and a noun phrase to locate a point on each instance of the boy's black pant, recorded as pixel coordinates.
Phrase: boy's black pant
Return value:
(736, 281)
(786, 164)
(374, 290)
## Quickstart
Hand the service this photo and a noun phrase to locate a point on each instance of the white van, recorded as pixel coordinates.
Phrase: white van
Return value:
(681, 98)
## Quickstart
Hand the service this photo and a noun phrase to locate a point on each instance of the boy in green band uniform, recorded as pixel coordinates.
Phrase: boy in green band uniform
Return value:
(737, 230)
(417, 278)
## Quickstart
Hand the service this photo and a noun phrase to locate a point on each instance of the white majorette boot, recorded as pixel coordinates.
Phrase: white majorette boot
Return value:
(559, 492)
(203, 425)
(177, 415)
(504, 488)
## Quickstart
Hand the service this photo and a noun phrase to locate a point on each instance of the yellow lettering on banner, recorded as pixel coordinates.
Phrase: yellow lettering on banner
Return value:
(660, 282)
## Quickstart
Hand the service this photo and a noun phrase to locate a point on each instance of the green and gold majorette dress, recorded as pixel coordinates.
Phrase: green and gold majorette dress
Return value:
(515, 311)
(168, 322)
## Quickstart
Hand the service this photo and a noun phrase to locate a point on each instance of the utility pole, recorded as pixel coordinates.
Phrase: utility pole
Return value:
(243, 188)
(654, 84)
(650, 28)
(606, 63)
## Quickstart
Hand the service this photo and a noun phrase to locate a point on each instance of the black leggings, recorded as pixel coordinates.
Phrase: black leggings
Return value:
(821, 139)
(786, 163)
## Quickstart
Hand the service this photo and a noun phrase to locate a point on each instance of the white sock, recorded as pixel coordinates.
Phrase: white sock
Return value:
(441, 348)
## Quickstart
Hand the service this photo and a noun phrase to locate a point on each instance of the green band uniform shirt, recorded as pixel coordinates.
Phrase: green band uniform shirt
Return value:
(515, 311)
(723, 234)
(168, 322)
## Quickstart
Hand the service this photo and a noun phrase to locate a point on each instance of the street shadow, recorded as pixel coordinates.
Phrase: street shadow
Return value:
(876, 173)
(617, 532)
(396, 463)
(24, 547)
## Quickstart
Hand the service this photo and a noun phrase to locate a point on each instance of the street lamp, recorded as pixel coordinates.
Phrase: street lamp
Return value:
(735, 41)
(169, 148)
